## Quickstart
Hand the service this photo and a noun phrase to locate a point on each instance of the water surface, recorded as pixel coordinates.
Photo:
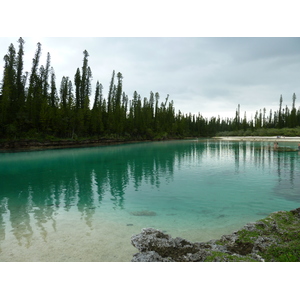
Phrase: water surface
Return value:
(84, 204)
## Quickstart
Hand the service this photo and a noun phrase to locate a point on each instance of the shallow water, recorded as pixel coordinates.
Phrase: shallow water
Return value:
(84, 204)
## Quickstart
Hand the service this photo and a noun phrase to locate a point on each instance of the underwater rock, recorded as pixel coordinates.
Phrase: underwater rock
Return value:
(145, 213)
(275, 238)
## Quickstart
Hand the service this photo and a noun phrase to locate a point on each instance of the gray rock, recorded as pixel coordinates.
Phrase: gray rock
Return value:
(152, 240)
(262, 243)
(149, 256)
(296, 212)
(196, 257)
(247, 244)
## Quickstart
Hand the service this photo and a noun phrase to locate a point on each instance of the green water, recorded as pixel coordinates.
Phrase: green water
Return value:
(84, 204)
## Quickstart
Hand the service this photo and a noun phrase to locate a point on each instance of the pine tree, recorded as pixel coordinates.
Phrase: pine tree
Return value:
(110, 104)
(294, 113)
(271, 121)
(34, 90)
(118, 116)
(53, 99)
(110, 94)
(8, 104)
(264, 118)
(96, 114)
(280, 119)
(77, 80)
(64, 92)
(97, 96)
(245, 124)
(85, 88)
(46, 77)
(287, 117)
(156, 117)
(43, 99)
(54, 116)
(20, 84)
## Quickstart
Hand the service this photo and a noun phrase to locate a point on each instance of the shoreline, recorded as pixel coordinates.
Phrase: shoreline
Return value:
(34, 145)
(272, 239)
(31, 145)
(259, 138)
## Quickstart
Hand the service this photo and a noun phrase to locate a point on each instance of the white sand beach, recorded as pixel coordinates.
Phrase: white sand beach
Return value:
(260, 138)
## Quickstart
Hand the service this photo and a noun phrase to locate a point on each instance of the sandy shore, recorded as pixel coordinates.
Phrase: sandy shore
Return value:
(259, 138)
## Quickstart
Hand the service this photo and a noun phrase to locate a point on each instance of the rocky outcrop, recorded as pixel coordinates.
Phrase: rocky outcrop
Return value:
(275, 238)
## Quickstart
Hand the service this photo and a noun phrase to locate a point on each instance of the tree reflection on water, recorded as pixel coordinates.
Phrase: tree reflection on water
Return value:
(36, 186)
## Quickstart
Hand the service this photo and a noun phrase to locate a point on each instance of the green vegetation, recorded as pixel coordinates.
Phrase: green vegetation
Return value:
(275, 238)
(263, 132)
(32, 107)
(284, 253)
(225, 257)
(284, 227)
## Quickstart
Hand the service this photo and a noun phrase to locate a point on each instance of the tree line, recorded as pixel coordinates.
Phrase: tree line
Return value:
(284, 121)
(31, 106)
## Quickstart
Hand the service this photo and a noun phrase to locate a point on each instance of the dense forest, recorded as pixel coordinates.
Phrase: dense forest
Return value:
(32, 107)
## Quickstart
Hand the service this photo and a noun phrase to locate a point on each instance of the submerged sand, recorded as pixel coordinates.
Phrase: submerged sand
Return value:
(64, 238)
(109, 243)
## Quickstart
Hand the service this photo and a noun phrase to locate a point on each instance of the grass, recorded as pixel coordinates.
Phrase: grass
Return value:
(282, 230)
(275, 238)
(224, 257)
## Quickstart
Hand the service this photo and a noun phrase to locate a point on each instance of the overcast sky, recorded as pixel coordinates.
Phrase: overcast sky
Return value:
(207, 75)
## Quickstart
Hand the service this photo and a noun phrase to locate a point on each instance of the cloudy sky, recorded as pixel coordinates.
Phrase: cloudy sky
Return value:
(207, 75)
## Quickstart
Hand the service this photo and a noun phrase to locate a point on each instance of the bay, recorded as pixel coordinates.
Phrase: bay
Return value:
(84, 204)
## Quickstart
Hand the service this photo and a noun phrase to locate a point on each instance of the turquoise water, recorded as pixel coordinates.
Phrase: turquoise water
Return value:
(84, 204)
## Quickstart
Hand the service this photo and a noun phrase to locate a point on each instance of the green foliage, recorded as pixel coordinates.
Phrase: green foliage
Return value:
(224, 257)
(246, 236)
(263, 132)
(283, 229)
(289, 252)
(66, 113)
(275, 238)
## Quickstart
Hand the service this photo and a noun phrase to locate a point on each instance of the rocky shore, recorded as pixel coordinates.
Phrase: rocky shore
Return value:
(274, 238)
